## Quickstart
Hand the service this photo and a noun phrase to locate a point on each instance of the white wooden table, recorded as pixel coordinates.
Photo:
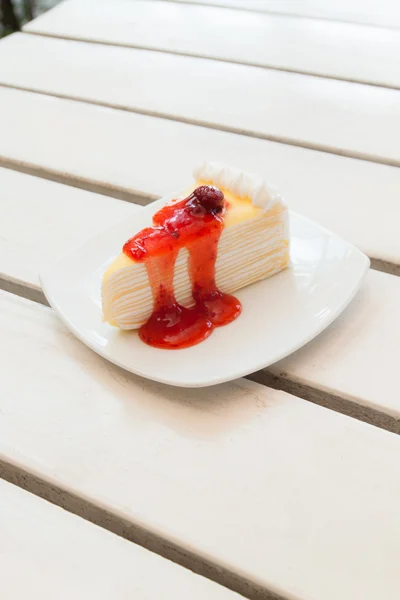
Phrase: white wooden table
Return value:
(285, 486)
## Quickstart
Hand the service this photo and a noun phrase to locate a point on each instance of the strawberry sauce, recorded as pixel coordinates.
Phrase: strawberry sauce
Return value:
(195, 223)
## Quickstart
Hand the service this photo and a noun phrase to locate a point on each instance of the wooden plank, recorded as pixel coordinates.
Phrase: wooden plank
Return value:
(310, 112)
(370, 12)
(122, 153)
(354, 360)
(49, 553)
(41, 220)
(327, 48)
(270, 489)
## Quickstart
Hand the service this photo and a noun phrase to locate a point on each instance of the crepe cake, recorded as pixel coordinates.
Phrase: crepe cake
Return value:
(174, 279)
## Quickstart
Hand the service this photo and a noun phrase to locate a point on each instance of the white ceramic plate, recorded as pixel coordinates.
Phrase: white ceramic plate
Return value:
(280, 314)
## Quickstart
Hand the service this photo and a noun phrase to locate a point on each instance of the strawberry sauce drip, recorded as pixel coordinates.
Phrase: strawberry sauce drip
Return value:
(195, 223)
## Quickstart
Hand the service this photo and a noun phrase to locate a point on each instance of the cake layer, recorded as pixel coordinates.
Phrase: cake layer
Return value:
(252, 247)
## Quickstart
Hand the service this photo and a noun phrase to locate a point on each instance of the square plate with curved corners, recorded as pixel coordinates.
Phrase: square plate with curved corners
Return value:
(279, 315)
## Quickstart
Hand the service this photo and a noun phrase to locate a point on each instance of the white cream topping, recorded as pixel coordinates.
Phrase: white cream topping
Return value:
(242, 184)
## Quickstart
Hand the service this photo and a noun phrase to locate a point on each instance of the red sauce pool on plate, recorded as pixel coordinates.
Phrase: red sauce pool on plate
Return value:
(195, 223)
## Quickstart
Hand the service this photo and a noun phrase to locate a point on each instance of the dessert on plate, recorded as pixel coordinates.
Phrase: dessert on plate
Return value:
(174, 280)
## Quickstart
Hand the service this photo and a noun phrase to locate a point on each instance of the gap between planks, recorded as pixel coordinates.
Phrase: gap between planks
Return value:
(86, 509)
(253, 9)
(327, 400)
(263, 377)
(82, 183)
(233, 61)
